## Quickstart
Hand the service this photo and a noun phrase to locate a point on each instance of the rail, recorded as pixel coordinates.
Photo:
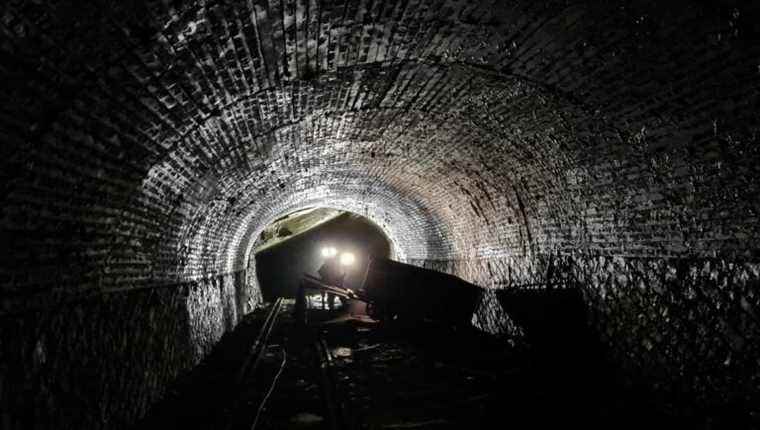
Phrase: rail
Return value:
(253, 358)
(328, 382)
(259, 345)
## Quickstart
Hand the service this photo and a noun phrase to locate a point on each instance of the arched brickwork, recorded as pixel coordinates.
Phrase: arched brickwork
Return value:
(144, 144)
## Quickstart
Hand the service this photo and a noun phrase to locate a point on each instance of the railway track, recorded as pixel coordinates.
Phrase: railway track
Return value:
(274, 373)
(334, 407)
(258, 348)
(335, 377)
(285, 353)
(279, 374)
(248, 377)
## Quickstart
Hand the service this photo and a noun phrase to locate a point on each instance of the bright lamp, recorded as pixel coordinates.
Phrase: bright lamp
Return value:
(347, 259)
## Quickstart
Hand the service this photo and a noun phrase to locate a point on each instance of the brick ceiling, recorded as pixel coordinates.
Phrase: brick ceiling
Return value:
(151, 141)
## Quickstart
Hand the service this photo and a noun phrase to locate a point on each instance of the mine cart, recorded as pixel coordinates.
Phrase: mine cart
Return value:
(401, 291)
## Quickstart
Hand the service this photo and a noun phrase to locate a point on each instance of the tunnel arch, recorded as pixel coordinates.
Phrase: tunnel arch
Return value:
(288, 259)
(430, 165)
(143, 144)
(397, 223)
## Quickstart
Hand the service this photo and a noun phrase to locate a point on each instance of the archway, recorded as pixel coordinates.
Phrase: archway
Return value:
(293, 246)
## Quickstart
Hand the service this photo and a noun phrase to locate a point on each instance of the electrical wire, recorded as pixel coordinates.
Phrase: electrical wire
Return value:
(271, 389)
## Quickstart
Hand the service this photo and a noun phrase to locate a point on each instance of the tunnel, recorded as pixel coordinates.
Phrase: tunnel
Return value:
(607, 146)
(303, 241)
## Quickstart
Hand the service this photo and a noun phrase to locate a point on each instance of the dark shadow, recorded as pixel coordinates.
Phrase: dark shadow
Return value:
(94, 362)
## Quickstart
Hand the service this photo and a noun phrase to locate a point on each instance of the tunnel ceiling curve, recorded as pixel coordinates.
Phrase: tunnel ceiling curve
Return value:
(165, 135)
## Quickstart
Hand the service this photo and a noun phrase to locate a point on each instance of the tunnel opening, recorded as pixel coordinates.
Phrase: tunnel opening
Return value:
(301, 242)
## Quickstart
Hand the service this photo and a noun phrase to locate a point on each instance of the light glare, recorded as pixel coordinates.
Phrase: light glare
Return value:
(347, 259)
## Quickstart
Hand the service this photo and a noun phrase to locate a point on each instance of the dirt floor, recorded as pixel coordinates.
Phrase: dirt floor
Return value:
(356, 375)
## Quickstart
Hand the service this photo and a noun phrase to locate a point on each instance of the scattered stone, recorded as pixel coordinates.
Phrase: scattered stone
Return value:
(341, 352)
(306, 419)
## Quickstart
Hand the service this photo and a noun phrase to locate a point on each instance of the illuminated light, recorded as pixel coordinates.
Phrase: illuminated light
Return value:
(347, 259)
(329, 251)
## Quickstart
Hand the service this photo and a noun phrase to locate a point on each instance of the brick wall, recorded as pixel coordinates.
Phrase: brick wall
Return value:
(100, 362)
(682, 329)
(147, 143)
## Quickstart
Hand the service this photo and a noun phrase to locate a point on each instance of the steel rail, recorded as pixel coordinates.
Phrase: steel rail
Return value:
(258, 347)
(330, 390)
(253, 358)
